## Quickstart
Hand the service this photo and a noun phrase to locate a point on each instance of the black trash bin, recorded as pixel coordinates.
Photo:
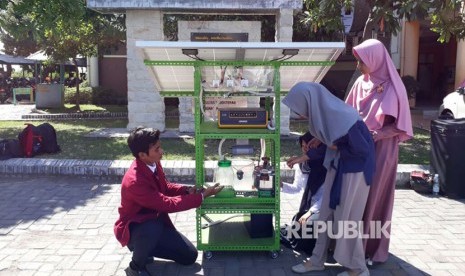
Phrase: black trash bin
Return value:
(448, 155)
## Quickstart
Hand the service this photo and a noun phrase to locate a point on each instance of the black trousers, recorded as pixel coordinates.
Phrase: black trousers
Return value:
(154, 238)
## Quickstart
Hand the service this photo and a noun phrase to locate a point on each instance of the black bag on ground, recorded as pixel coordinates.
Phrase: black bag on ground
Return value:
(38, 139)
(30, 140)
(49, 138)
(421, 182)
(297, 243)
(10, 148)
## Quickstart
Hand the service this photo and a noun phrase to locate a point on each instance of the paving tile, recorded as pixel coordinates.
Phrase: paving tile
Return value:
(64, 226)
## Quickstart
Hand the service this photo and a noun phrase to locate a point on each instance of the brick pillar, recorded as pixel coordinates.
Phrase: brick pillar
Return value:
(145, 106)
(284, 23)
(186, 114)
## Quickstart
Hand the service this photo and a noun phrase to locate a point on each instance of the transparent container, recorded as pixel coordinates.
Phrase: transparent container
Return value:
(224, 173)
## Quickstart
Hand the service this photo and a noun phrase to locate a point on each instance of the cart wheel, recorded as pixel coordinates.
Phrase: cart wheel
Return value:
(207, 255)
(274, 254)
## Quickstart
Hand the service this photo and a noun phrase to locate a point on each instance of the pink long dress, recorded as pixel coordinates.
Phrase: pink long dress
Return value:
(376, 95)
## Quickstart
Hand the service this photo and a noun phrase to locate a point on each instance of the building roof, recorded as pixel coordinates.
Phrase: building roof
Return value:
(41, 56)
(118, 5)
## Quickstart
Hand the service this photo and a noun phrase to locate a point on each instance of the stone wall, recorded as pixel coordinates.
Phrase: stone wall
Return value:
(145, 106)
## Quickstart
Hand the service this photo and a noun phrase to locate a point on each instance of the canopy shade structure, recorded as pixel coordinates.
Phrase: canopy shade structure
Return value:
(15, 60)
(226, 65)
(40, 56)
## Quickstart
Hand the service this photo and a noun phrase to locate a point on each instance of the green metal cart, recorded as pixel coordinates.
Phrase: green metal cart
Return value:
(223, 223)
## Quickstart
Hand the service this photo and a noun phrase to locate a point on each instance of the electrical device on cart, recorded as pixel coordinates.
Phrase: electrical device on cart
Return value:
(242, 118)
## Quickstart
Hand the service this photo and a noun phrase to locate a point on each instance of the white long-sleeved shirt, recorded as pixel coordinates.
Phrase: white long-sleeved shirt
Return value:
(300, 181)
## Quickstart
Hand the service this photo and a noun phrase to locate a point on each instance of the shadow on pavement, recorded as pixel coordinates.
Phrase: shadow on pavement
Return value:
(27, 200)
(163, 267)
(260, 263)
(396, 266)
(454, 197)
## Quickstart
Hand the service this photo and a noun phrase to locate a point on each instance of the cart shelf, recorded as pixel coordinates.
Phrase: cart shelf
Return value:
(238, 200)
(233, 235)
(236, 209)
(210, 129)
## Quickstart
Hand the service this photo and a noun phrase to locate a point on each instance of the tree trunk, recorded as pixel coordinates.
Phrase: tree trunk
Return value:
(9, 70)
(76, 78)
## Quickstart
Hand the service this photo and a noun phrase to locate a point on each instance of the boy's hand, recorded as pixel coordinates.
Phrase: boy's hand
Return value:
(192, 190)
(212, 190)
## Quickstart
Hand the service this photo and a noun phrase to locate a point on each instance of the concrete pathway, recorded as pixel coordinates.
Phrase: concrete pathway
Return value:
(9, 112)
(63, 225)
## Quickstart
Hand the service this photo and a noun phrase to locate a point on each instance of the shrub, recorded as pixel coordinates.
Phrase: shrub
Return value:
(94, 95)
(85, 95)
(102, 95)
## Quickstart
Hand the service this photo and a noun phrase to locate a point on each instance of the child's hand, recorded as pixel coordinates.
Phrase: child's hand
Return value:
(291, 161)
(314, 143)
(304, 217)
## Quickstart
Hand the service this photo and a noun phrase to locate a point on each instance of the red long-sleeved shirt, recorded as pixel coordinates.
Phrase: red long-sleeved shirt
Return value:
(145, 197)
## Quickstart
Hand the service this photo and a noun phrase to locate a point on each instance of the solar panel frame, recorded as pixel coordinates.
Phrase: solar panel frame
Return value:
(174, 71)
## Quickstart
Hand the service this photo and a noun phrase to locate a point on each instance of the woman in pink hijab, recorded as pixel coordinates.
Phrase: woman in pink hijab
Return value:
(381, 100)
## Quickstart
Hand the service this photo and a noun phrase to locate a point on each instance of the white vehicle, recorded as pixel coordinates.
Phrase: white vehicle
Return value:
(453, 105)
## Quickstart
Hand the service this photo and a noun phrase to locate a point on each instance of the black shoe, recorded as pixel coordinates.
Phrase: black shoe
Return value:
(289, 243)
(134, 270)
(131, 272)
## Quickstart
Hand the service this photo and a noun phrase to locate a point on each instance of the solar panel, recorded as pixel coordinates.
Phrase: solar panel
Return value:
(172, 63)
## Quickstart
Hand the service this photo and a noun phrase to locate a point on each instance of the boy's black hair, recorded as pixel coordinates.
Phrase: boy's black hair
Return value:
(141, 138)
(306, 137)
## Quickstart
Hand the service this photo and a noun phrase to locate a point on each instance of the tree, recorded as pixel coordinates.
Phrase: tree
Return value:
(447, 16)
(449, 19)
(319, 22)
(67, 29)
(23, 44)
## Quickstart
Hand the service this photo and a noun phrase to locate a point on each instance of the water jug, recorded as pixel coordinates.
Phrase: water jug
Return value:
(224, 173)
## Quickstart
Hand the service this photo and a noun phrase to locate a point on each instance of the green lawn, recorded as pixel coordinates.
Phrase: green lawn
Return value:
(75, 146)
(416, 150)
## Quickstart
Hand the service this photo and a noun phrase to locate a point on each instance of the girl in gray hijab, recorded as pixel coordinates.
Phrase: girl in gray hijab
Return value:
(349, 160)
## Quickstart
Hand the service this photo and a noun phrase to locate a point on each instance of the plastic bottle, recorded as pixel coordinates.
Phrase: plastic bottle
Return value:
(436, 184)
(224, 173)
